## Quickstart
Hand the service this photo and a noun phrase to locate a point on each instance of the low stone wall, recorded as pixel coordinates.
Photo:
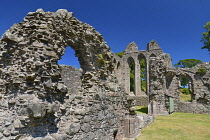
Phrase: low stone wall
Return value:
(140, 100)
(145, 120)
(192, 107)
(134, 124)
(71, 77)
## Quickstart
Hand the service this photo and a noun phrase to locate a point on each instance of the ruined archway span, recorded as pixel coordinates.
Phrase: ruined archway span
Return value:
(55, 31)
(142, 55)
(37, 43)
(130, 60)
(31, 81)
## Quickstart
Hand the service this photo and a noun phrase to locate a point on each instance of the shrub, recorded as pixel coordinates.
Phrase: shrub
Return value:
(185, 91)
(201, 71)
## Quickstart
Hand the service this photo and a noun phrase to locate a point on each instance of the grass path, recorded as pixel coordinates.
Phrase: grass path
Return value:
(178, 126)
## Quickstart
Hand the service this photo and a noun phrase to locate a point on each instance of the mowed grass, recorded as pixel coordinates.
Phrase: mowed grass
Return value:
(141, 109)
(185, 97)
(178, 126)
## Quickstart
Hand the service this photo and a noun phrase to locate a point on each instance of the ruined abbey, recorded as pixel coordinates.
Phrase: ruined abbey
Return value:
(41, 100)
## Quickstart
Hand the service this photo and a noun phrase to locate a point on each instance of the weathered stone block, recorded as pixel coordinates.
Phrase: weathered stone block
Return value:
(73, 128)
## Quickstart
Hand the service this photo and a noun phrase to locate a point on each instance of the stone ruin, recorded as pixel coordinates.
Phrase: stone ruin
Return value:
(41, 100)
(163, 82)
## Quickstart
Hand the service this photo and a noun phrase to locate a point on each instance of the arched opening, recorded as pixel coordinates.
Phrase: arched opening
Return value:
(118, 65)
(131, 64)
(153, 55)
(185, 88)
(69, 58)
(71, 73)
(143, 73)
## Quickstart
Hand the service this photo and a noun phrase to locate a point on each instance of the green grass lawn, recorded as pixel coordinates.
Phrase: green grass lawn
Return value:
(141, 109)
(178, 126)
(184, 97)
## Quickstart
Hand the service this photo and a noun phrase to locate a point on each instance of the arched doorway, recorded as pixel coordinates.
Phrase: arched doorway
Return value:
(186, 88)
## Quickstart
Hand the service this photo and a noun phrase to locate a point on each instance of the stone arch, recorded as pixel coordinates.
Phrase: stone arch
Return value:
(190, 84)
(141, 57)
(131, 75)
(40, 41)
(69, 58)
(30, 73)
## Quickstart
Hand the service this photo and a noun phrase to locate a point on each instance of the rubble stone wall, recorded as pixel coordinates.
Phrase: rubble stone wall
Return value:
(165, 84)
(42, 100)
(163, 81)
(72, 78)
(152, 52)
(36, 100)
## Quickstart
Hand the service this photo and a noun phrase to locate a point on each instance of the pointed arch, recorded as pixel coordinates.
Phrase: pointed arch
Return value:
(131, 64)
(143, 73)
(186, 87)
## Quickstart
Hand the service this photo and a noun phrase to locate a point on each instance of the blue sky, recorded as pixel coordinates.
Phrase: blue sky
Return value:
(177, 25)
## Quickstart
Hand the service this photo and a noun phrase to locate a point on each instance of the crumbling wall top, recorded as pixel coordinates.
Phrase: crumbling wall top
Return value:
(132, 47)
(153, 46)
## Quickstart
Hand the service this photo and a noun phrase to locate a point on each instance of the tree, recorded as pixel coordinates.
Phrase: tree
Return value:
(143, 74)
(206, 37)
(132, 77)
(187, 63)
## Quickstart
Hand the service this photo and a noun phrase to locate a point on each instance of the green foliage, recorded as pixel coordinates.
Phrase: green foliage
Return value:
(143, 74)
(184, 82)
(201, 71)
(132, 76)
(120, 54)
(187, 63)
(206, 37)
(143, 86)
(101, 62)
(185, 91)
(99, 56)
(142, 109)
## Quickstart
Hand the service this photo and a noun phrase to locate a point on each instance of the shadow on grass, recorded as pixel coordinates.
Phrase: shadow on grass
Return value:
(143, 109)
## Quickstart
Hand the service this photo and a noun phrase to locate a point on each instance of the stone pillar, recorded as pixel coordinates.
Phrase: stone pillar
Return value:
(147, 76)
(132, 127)
(137, 79)
(126, 78)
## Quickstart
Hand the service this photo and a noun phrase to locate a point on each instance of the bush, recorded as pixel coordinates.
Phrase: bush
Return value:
(185, 91)
(201, 71)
